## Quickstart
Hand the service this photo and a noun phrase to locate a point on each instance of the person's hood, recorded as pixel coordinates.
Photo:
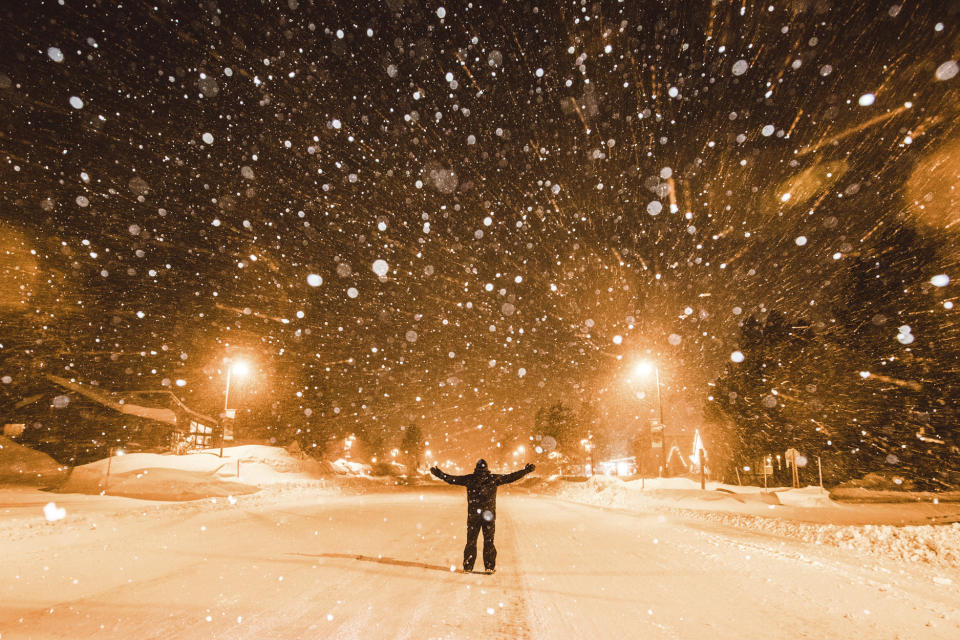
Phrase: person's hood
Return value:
(481, 466)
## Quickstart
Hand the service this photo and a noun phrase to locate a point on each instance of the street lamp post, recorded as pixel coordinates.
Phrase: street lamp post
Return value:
(226, 394)
(659, 395)
(240, 368)
(644, 368)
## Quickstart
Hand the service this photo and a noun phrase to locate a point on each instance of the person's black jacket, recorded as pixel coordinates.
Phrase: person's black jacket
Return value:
(482, 486)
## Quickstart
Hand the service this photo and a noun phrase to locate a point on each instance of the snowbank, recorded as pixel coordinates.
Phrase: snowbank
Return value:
(612, 491)
(937, 545)
(807, 514)
(813, 497)
(197, 474)
(201, 474)
(22, 465)
(160, 484)
(350, 468)
(864, 495)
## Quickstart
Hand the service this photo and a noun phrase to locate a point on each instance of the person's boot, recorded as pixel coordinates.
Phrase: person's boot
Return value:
(490, 571)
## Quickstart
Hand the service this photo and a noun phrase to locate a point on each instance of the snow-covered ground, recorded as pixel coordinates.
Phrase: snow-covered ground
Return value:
(301, 563)
(337, 557)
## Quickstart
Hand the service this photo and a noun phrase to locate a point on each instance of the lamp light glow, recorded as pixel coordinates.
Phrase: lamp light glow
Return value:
(644, 368)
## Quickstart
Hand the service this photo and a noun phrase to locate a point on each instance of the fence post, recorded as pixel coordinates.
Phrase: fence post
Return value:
(820, 473)
(106, 483)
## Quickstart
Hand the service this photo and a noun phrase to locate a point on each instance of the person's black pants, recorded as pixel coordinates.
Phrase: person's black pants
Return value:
(474, 524)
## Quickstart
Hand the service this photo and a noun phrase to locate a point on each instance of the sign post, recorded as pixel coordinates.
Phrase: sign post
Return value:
(767, 470)
(106, 483)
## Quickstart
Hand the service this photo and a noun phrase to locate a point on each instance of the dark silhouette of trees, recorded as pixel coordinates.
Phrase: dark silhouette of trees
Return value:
(558, 422)
(873, 390)
(755, 394)
(890, 324)
(412, 445)
(567, 428)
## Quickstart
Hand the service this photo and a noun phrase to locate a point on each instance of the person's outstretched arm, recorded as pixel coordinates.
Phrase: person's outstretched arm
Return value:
(516, 475)
(449, 479)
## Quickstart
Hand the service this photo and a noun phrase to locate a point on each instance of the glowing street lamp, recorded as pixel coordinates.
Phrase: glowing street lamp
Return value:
(645, 368)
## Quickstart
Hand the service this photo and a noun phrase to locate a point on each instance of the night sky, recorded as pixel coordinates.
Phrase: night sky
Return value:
(457, 213)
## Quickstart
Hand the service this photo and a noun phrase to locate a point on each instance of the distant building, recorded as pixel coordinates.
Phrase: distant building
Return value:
(675, 448)
(618, 466)
(13, 430)
(76, 423)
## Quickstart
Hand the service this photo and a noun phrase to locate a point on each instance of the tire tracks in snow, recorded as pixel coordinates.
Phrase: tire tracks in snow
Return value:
(562, 598)
(516, 613)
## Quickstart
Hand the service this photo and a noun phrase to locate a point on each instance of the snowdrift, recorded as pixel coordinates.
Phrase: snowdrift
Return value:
(612, 491)
(866, 496)
(201, 474)
(158, 484)
(923, 530)
(23, 465)
(851, 505)
(809, 504)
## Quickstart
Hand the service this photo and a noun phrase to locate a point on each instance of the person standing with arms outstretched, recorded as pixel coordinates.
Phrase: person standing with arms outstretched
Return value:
(481, 508)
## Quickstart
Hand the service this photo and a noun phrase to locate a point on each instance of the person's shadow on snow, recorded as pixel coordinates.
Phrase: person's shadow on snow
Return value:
(378, 560)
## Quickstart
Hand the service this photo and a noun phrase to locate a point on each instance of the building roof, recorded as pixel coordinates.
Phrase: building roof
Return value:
(121, 403)
(196, 415)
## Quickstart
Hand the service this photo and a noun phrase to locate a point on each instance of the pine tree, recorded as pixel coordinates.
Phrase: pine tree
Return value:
(758, 405)
(890, 327)
(412, 445)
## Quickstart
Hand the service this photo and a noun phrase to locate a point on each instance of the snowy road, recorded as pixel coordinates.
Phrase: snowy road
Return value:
(378, 566)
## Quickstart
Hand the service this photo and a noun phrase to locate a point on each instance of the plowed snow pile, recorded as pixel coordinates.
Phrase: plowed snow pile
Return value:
(158, 484)
(806, 514)
(200, 474)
